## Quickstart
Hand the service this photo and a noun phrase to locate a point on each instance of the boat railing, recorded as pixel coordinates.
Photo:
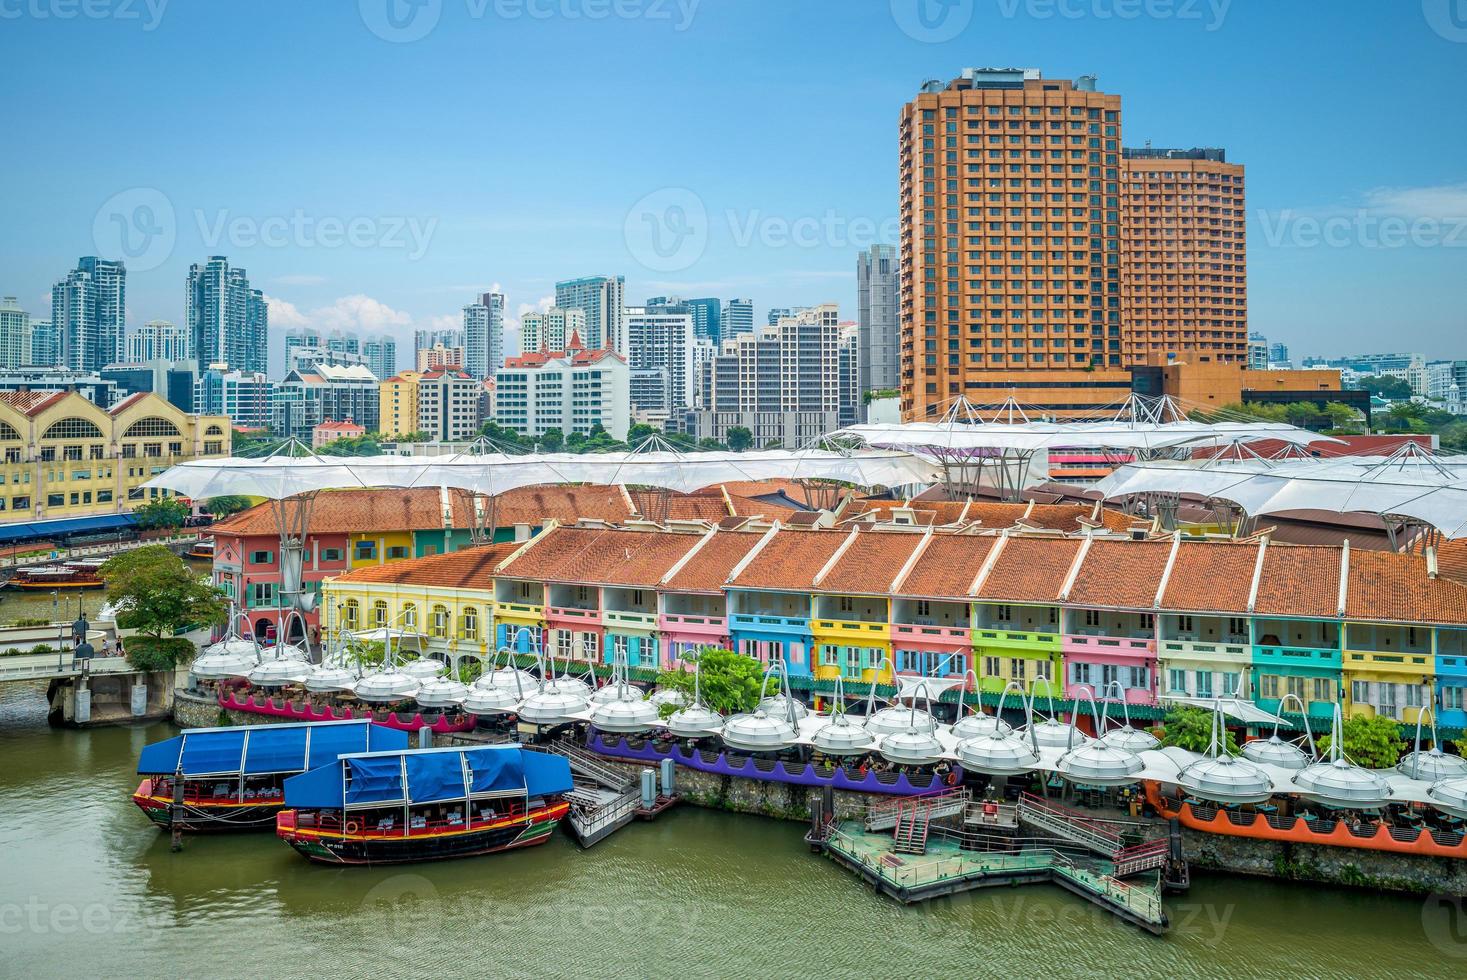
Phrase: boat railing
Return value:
(393, 827)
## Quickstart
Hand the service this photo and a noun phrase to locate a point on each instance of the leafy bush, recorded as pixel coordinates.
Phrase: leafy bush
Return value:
(158, 652)
(29, 621)
(729, 683)
(1190, 728)
(1374, 743)
(158, 594)
(165, 512)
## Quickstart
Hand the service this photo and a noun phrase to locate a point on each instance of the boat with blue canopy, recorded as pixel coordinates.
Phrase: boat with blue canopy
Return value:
(232, 778)
(424, 804)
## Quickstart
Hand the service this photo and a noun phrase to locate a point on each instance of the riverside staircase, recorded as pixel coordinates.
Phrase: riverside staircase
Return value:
(604, 799)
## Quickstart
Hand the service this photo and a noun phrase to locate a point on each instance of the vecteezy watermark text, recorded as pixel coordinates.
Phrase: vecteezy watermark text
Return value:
(403, 21)
(936, 21)
(1362, 228)
(148, 13)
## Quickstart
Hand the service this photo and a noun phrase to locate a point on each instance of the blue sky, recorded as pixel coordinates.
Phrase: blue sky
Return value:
(372, 179)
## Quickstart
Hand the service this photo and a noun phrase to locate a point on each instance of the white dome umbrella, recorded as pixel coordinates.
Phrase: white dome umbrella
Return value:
(1095, 763)
(895, 719)
(424, 668)
(520, 683)
(1274, 751)
(1434, 764)
(1338, 782)
(627, 712)
(1223, 778)
(566, 684)
(995, 754)
(1450, 796)
(387, 684)
(551, 707)
(912, 747)
(231, 656)
(760, 731)
(489, 701)
(328, 678)
(617, 687)
(1051, 733)
(779, 705)
(976, 722)
(668, 695)
(1126, 737)
(694, 721)
(279, 673)
(841, 735)
(441, 692)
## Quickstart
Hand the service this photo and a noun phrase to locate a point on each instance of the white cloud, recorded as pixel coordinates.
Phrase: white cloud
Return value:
(1446, 202)
(284, 313)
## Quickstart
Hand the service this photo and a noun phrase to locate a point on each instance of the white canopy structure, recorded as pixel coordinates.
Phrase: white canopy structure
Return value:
(278, 477)
(1408, 484)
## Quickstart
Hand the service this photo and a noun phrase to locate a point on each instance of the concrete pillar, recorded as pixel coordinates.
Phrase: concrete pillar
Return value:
(425, 737)
(667, 768)
(649, 788)
(81, 705)
(139, 697)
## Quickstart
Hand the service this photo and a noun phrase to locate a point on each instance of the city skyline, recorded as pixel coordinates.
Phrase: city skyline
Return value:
(782, 224)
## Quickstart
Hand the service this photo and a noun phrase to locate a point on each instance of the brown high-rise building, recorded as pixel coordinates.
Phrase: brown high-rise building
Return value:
(1184, 282)
(1014, 201)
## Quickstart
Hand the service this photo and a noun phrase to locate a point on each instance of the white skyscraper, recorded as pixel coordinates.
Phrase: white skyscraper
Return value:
(381, 355)
(87, 310)
(877, 291)
(738, 317)
(602, 299)
(484, 335)
(159, 340)
(15, 334)
(552, 329)
(661, 341)
(228, 322)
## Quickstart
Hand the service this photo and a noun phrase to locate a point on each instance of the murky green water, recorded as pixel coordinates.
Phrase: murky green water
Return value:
(89, 888)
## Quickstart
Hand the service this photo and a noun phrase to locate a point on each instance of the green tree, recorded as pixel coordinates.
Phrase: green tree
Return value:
(552, 441)
(639, 433)
(1374, 743)
(230, 503)
(163, 512)
(159, 596)
(1190, 728)
(1343, 417)
(1394, 389)
(729, 682)
(740, 438)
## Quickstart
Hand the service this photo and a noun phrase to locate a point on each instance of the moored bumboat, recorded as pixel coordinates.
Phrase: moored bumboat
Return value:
(424, 804)
(232, 778)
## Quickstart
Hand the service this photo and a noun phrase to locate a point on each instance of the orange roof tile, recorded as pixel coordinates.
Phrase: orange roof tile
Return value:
(1396, 588)
(1299, 580)
(467, 568)
(707, 570)
(357, 511)
(1211, 576)
(129, 400)
(1120, 574)
(536, 506)
(601, 556)
(948, 566)
(790, 560)
(871, 562)
(1030, 570)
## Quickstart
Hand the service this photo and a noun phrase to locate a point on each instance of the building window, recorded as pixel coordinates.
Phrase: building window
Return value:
(379, 614)
(261, 557)
(1232, 684)
(331, 554)
(410, 616)
(990, 666)
(396, 551)
(350, 614)
(1092, 618)
(470, 623)
(150, 428)
(55, 500)
(72, 428)
(366, 550)
(262, 594)
(1176, 681)
(1268, 686)
(1204, 683)
(1360, 692)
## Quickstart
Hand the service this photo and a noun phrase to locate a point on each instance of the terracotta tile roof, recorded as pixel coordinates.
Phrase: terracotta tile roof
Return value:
(536, 506)
(1030, 570)
(759, 488)
(1396, 588)
(1121, 574)
(331, 425)
(926, 512)
(1451, 558)
(1211, 576)
(947, 566)
(1299, 580)
(871, 562)
(709, 568)
(467, 568)
(356, 511)
(790, 560)
(601, 556)
(31, 402)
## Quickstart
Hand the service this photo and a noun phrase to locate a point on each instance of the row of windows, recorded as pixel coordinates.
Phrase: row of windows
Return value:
(440, 619)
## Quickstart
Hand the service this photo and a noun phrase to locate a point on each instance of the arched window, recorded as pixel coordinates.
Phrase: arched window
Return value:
(152, 427)
(350, 614)
(214, 430)
(410, 616)
(470, 628)
(72, 428)
(7, 432)
(440, 621)
(379, 614)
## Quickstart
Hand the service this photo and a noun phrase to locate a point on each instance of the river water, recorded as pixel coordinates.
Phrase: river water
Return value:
(88, 887)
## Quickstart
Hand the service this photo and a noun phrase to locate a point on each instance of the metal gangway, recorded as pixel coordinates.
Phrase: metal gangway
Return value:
(1097, 836)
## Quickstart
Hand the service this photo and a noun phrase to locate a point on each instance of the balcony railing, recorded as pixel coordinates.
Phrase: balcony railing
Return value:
(912, 632)
(851, 626)
(1394, 662)
(1003, 636)
(1102, 643)
(1226, 651)
(631, 618)
(1315, 658)
(572, 612)
(695, 623)
(524, 610)
(768, 620)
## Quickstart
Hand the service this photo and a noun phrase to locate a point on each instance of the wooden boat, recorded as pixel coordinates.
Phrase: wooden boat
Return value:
(81, 574)
(424, 804)
(232, 778)
(202, 548)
